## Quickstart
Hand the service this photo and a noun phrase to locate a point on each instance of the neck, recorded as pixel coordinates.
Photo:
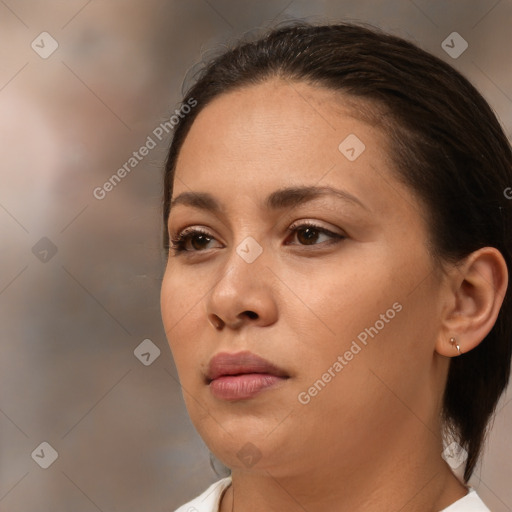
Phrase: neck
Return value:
(410, 475)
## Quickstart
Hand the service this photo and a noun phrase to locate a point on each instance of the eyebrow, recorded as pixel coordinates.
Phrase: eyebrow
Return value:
(280, 199)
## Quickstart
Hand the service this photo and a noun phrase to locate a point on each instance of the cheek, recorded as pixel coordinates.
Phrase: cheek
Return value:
(341, 298)
(373, 301)
(182, 313)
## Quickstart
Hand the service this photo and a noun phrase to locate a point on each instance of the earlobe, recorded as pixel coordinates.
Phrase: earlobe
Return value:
(477, 289)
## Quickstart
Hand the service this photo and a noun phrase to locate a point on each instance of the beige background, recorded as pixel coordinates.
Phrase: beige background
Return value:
(70, 325)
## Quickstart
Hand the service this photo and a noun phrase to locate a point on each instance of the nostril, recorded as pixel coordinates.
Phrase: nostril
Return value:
(251, 314)
(216, 321)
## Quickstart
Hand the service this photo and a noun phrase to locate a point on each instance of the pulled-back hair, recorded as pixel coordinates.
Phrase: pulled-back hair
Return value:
(449, 149)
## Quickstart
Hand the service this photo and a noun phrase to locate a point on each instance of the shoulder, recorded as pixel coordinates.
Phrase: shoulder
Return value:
(209, 500)
(469, 503)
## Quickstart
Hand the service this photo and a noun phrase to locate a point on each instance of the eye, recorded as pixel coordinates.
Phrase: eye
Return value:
(191, 240)
(308, 233)
(195, 240)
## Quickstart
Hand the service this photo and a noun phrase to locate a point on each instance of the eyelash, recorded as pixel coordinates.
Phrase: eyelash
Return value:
(178, 243)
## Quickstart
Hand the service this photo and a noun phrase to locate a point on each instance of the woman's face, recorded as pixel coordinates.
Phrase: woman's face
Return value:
(345, 310)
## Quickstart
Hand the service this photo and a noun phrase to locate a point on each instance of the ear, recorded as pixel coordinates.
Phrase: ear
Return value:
(476, 289)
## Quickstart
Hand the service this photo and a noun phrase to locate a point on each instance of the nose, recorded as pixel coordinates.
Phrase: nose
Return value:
(243, 294)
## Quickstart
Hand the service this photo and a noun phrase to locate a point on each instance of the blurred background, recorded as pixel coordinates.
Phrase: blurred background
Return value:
(84, 363)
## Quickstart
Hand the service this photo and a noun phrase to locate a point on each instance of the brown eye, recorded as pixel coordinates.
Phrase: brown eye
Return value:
(199, 241)
(311, 234)
(307, 235)
(191, 240)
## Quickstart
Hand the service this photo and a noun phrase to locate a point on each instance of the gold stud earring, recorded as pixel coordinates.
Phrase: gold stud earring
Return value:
(454, 343)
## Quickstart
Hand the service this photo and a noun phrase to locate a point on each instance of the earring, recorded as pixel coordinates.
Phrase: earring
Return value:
(454, 342)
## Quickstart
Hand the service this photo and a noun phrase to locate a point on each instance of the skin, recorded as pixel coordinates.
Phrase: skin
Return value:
(370, 440)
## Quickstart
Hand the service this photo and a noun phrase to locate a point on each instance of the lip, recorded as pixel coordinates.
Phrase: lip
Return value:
(242, 375)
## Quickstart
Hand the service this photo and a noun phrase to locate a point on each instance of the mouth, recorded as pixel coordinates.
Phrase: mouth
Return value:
(241, 376)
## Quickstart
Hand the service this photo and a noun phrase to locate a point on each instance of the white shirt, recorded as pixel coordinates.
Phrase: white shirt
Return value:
(209, 501)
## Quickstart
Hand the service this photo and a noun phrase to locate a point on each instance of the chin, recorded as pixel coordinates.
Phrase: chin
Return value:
(249, 442)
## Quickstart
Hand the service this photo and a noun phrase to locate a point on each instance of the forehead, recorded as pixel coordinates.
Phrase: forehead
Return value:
(252, 141)
(283, 126)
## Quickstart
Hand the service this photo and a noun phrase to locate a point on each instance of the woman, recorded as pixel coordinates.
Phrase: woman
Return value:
(335, 296)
